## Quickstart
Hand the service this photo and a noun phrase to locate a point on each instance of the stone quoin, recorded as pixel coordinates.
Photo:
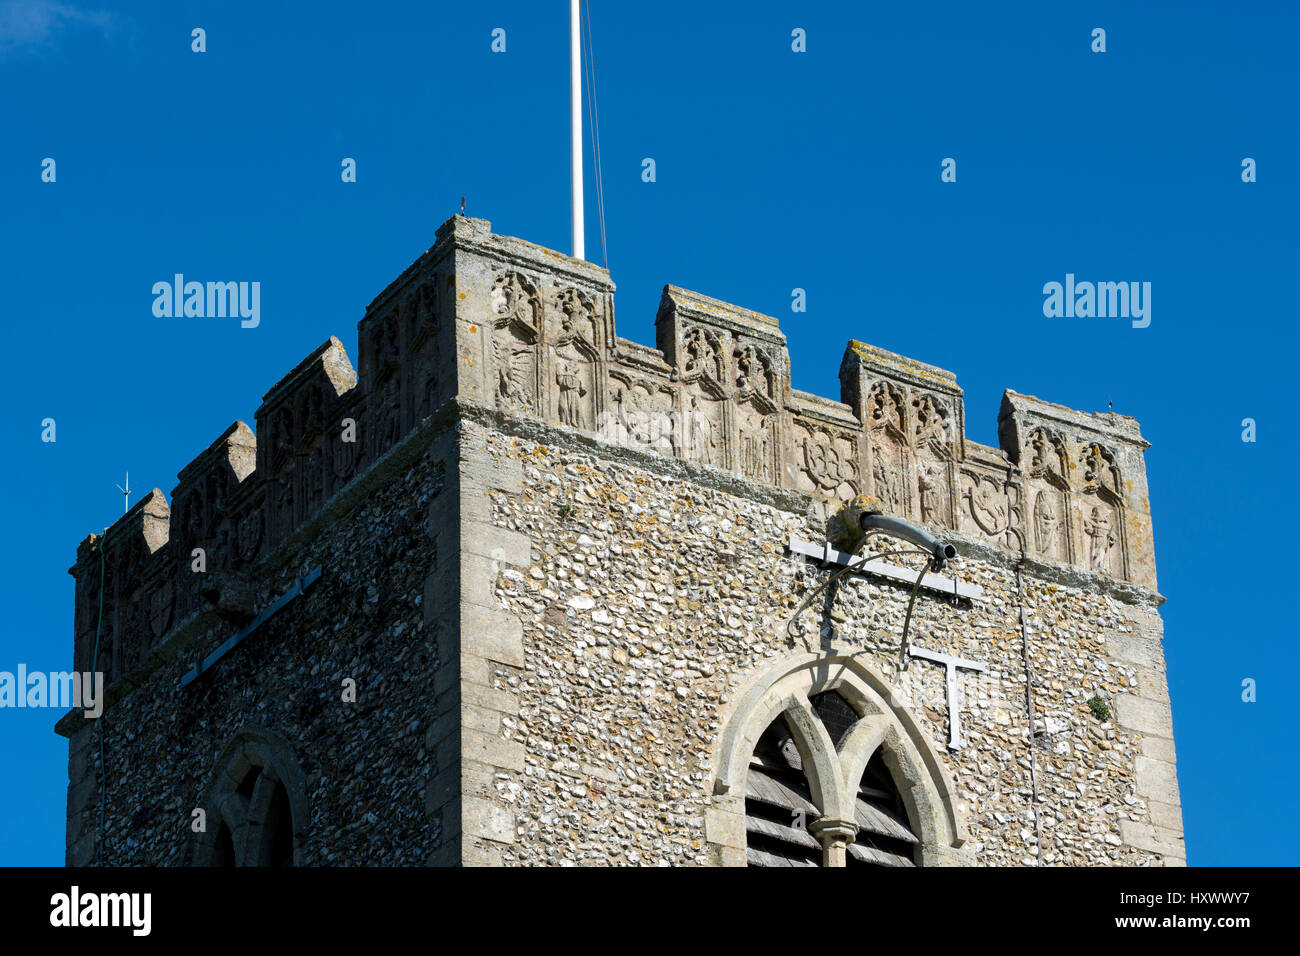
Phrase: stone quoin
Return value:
(555, 579)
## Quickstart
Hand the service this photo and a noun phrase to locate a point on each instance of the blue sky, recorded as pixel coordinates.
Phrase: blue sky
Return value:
(775, 170)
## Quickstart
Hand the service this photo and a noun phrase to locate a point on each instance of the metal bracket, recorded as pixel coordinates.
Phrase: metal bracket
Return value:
(304, 581)
(951, 665)
(827, 555)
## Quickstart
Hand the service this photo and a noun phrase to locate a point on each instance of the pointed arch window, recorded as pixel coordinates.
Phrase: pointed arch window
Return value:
(818, 766)
(256, 805)
(780, 812)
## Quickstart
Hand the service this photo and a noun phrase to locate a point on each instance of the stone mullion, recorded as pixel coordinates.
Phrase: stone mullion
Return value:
(835, 837)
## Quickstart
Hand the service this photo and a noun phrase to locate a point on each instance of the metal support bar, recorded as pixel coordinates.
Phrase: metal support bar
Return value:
(299, 586)
(949, 587)
(950, 665)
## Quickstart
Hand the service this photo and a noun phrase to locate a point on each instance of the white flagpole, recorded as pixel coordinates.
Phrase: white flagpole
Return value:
(575, 127)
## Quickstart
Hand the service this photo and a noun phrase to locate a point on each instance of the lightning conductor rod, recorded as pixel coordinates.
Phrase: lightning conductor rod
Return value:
(575, 126)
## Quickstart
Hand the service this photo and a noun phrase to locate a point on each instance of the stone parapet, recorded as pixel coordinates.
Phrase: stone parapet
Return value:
(500, 323)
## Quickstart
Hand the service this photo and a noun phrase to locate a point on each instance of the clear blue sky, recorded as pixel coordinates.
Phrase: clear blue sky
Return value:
(775, 170)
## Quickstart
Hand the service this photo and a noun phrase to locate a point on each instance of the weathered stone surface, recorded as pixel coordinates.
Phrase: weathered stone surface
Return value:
(1157, 780)
(1144, 715)
(1145, 836)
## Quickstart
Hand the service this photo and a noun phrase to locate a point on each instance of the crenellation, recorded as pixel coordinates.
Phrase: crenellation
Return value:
(534, 330)
(203, 516)
(827, 448)
(117, 577)
(990, 497)
(641, 358)
(504, 323)
(1086, 486)
(300, 433)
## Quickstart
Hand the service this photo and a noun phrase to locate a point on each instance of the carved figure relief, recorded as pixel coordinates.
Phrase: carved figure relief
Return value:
(422, 377)
(885, 408)
(568, 377)
(513, 357)
(282, 436)
(756, 443)
(643, 416)
(1099, 469)
(887, 485)
(390, 424)
(284, 497)
(1101, 539)
(753, 372)
(426, 312)
(704, 431)
(1046, 455)
(932, 481)
(754, 453)
(577, 316)
(702, 356)
(1047, 524)
(931, 425)
(518, 308)
(344, 457)
(313, 483)
(313, 404)
(515, 298)
(192, 521)
(248, 534)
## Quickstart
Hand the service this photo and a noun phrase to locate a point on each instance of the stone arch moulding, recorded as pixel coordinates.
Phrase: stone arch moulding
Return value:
(247, 815)
(833, 774)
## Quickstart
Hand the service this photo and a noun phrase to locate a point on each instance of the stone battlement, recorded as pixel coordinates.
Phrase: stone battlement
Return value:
(504, 324)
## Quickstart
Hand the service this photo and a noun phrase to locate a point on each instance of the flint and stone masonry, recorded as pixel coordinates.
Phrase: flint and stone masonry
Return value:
(551, 620)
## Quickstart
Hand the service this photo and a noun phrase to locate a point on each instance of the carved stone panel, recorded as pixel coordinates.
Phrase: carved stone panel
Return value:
(704, 427)
(1102, 537)
(642, 416)
(931, 426)
(985, 508)
(515, 299)
(574, 387)
(515, 331)
(423, 355)
(702, 357)
(1047, 465)
(162, 605)
(1049, 524)
(934, 495)
(1046, 457)
(249, 530)
(757, 442)
(888, 474)
(885, 410)
(887, 428)
(514, 360)
(826, 462)
(576, 317)
(754, 374)
(1098, 470)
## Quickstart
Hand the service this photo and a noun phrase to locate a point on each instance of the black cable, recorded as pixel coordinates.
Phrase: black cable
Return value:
(94, 670)
(852, 566)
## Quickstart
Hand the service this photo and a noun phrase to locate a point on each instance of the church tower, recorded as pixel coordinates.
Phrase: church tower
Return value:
(514, 590)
